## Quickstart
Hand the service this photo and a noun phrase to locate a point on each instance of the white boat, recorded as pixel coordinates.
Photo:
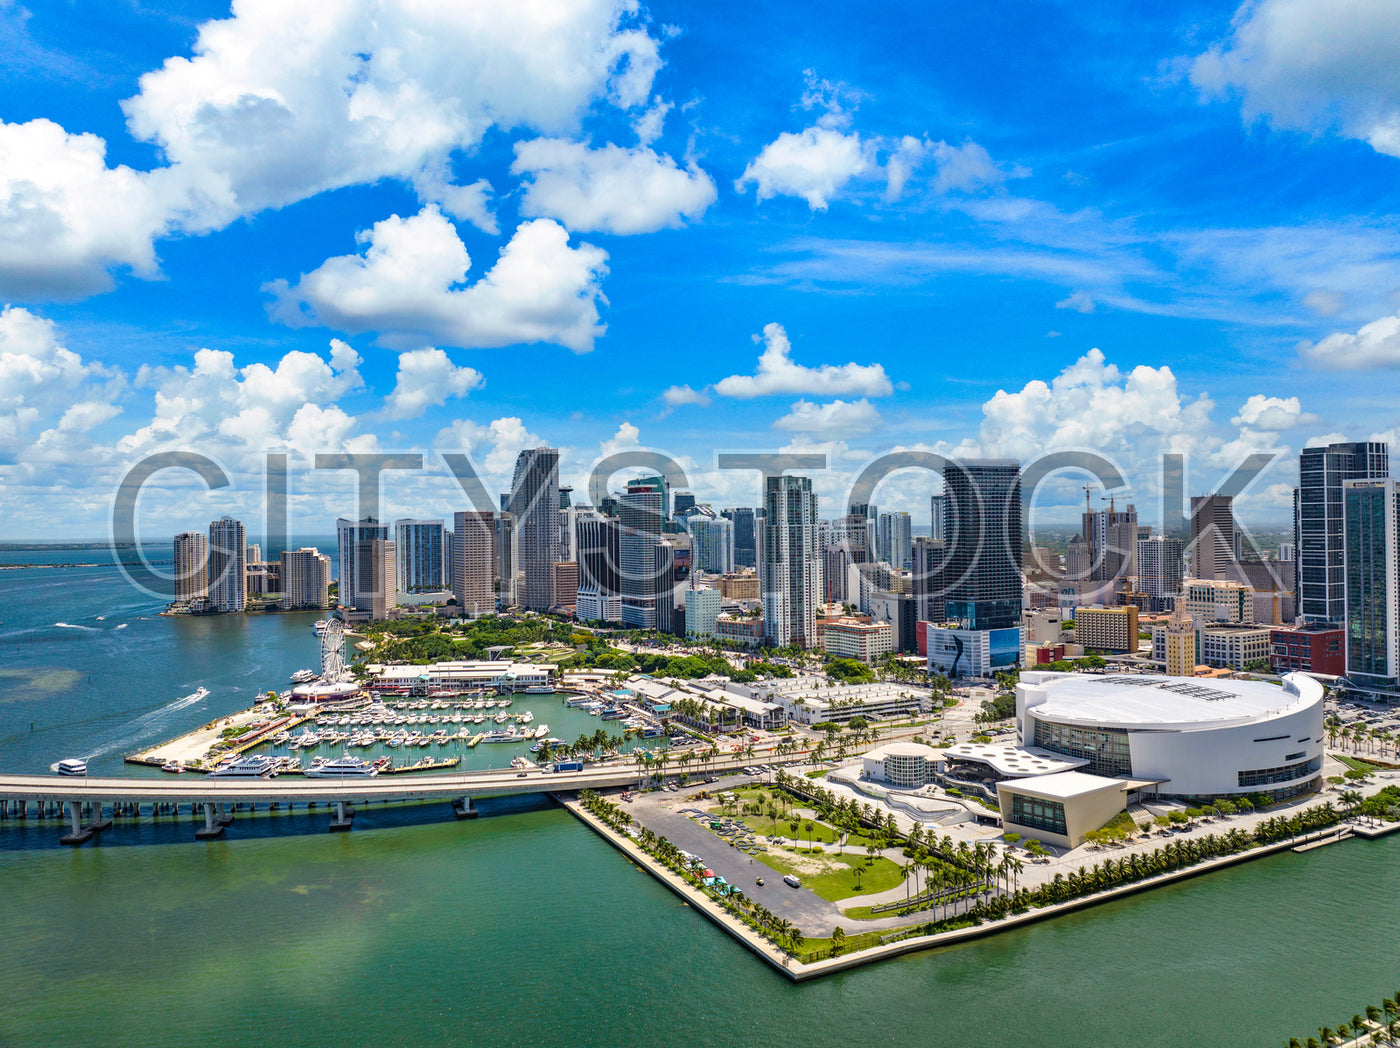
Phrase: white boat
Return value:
(174, 767)
(526, 717)
(246, 767)
(542, 731)
(509, 735)
(303, 676)
(320, 626)
(305, 740)
(72, 766)
(343, 767)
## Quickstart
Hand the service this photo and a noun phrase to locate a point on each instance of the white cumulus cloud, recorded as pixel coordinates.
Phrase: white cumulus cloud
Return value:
(407, 286)
(1376, 345)
(675, 396)
(837, 420)
(1272, 413)
(778, 373)
(66, 217)
(278, 103)
(813, 164)
(611, 189)
(426, 378)
(44, 383)
(1313, 65)
(627, 436)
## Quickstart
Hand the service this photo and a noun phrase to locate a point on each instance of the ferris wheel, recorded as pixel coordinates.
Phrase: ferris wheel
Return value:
(333, 649)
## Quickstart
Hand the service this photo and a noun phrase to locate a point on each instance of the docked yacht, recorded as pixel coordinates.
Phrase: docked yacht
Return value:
(343, 767)
(246, 768)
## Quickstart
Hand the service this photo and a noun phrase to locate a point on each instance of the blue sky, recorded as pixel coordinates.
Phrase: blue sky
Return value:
(972, 229)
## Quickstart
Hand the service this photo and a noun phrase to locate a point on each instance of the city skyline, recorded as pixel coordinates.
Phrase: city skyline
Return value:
(1171, 233)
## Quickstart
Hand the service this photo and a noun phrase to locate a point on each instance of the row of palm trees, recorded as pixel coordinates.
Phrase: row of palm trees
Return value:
(778, 930)
(1358, 735)
(1380, 1025)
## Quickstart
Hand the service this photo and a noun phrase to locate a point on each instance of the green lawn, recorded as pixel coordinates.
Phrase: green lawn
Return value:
(1357, 765)
(838, 880)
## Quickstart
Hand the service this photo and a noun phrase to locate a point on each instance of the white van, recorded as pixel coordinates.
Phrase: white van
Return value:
(792, 882)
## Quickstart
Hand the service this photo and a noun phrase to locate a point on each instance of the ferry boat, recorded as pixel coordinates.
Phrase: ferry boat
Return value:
(539, 691)
(246, 768)
(343, 767)
(303, 676)
(320, 626)
(72, 766)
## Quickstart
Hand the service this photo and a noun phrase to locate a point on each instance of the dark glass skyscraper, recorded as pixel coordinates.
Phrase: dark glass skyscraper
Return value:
(534, 503)
(1317, 523)
(1371, 511)
(983, 571)
(745, 548)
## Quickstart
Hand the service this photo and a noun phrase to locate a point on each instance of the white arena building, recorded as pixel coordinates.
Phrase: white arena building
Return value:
(1190, 738)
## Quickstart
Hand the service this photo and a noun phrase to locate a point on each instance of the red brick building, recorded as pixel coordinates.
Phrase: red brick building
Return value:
(1317, 651)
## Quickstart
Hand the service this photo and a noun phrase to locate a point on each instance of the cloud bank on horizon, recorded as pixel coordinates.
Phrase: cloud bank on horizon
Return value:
(474, 226)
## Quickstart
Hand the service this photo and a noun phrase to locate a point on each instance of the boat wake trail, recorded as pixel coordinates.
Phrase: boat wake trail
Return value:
(146, 725)
(71, 626)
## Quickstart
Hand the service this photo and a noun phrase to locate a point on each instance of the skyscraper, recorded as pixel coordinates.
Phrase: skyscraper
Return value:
(657, 484)
(421, 547)
(938, 517)
(474, 562)
(1371, 512)
(711, 545)
(1318, 527)
(507, 561)
(191, 554)
(893, 536)
(639, 513)
(1212, 537)
(983, 573)
(356, 590)
(927, 579)
(1159, 567)
(226, 565)
(846, 542)
(1111, 538)
(306, 578)
(534, 503)
(790, 572)
(376, 576)
(745, 532)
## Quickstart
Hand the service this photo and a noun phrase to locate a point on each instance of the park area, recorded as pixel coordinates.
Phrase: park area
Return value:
(789, 839)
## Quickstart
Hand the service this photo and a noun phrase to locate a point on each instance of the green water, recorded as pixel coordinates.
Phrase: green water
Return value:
(525, 929)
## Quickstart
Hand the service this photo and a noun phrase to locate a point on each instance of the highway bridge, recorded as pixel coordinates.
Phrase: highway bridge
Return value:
(81, 799)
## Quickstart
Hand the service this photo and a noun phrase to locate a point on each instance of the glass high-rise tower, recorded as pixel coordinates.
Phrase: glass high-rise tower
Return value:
(1317, 523)
(982, 575)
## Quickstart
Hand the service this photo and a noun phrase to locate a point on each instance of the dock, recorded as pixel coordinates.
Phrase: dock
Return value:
(471, 743)
(427, 764)
(1342, 834)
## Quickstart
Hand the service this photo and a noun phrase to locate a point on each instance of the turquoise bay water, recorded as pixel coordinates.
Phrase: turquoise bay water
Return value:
(523, 928)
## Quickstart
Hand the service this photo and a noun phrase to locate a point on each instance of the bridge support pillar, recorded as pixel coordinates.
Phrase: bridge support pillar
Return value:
(98, 823)
(80, 834)
(344, 817)
(225, 817)
(464, 809)
(213, 826)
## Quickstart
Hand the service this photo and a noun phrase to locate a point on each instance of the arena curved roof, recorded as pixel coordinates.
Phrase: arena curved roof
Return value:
(1144, 702)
